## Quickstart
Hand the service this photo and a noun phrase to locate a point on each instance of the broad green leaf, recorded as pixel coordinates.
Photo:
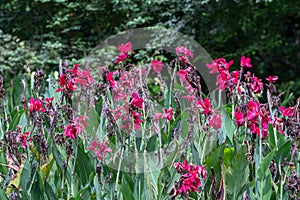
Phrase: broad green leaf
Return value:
(228, 127)
(152, 144)
(3, 195)
(51, 195)
(83, 166)
(58, 158)
(46, 167)
(228, 156)
(26, 177)
(236, 175)
(264, 165)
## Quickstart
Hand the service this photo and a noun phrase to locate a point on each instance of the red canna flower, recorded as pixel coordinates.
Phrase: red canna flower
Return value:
(168, 113)
(66, 85)
(110, 79)
(254, 110)
(215, 121)
(136, 101)
(84, 78)
(245, 62)
(287, 112)
(136, 120)
(75, 70)
(190, 179)
(256, 86)
(125, 48)
(36, 105)
(182, 73)
(121, 58)
(100, 149)
(156, 65)
(205, 105)
(182, 51)
(239, 118)
(272, 79)
(23, 137)
(72, 130)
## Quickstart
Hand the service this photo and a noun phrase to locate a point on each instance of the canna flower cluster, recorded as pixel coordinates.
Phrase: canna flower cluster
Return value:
(190, 180)
(100, 149)
(256, 116)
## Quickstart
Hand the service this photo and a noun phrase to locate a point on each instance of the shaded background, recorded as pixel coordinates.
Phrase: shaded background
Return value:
(41, 32)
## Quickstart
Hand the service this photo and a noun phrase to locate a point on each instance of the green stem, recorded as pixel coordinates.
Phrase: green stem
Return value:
(119, 167)
(73, 170)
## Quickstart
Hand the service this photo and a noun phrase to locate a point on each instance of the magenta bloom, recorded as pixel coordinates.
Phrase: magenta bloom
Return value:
(168, 113)
(136, 120)
(205, 105)
(84, 78)
(256, 86)
(66, 85)
(36, 105)
(239, 118)
(190, 179)
(136, 101)
(182, 73)
(125, 48)
(110, 79)
(23, 137)
(156, 65)
(215, 121)
(100, 149)
(287, 112)
(182, 51)
(272, 79)
(245, 62)
(254, 109)
(75, 70)
(121, 58)
(72, 130)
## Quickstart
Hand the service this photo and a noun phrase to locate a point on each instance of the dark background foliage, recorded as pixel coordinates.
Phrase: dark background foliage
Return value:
(41, 32)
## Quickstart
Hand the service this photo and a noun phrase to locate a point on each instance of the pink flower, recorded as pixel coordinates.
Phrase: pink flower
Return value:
(110, 79)
(100, 149)
(182, 51)
(215, 121)
(156, 65)
(256, 86)
(287, 112)
(190, 98)
(219, 64)
(84, 78)
(168, 113)
(182, 73)
(137, 120)
(239, 118)
(67, 85)
(121, 58)
(23, 137)
(36, 105)
(254, 109)
(136, 101)
(205, 105)
(272, 79)
(245, 62)
(72, 130)
(125, 48)
(190, 179)
(75, 70)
